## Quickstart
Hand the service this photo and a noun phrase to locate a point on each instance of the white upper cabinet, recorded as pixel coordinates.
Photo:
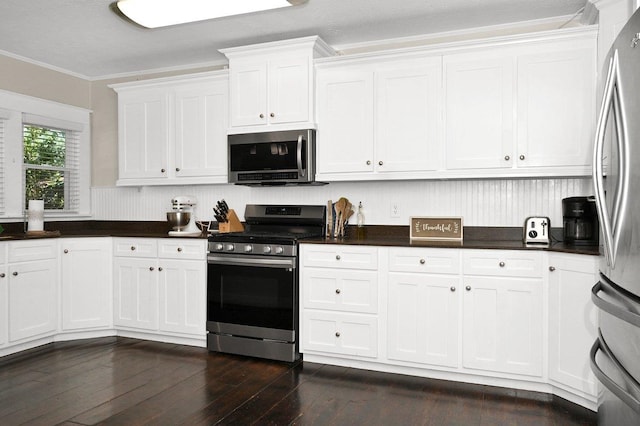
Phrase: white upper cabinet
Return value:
(513, 106)
(173, 131)
(556, 106)
(271, 84)
(380, 120)
(479, 110)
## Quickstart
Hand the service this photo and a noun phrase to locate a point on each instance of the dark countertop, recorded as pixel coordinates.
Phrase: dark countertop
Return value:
(92, 228)
(504, 238)
(475, 237)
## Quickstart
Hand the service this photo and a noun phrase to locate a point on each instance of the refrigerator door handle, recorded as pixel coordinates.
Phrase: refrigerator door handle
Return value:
(619, 391)
(611, 308)
(611, 100)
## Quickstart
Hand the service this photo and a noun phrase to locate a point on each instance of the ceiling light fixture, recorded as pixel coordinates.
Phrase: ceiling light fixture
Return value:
(163, 13)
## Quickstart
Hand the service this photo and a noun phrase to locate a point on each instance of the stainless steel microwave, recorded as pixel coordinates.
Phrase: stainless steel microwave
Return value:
(272, 158)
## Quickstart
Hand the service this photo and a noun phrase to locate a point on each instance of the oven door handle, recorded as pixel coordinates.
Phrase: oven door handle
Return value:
(265, 262)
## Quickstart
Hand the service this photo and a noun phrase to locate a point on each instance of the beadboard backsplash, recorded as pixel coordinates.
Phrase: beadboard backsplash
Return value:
(479, 202)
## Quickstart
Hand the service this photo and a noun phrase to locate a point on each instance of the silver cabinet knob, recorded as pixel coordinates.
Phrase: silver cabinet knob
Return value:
(133, 248)
(272, 115)
(65, 251)
(179, 249)
(2, 275)
(380, 163)
(338, 257)
(177, 169)
(337, 334)
(15, 274)
(507, 158)
(522, 157)
(368, 162)
(162, 170)
(151, 268)
(160, 269)
(552, 268)
(261, 115)
(502, 264)
(337, 291)
(468, 288)
(422, 261)
(452, 288)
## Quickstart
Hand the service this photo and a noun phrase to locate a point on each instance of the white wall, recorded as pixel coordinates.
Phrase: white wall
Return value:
(479, 202)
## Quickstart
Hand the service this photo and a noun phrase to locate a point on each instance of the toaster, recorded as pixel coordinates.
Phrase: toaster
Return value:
(537, 230)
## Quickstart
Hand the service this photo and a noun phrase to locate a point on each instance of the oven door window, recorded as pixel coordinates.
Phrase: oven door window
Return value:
(251, 295)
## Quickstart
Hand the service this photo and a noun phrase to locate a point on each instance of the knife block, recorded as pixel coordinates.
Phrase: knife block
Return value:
(233, 224)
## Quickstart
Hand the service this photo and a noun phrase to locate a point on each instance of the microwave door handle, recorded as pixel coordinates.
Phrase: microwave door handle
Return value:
(299, 154)
(598, 172)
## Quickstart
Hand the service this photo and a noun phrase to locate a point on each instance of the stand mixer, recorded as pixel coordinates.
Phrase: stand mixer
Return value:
(183, 217)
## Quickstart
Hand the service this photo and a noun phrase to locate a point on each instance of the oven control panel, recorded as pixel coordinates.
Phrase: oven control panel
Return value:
(253, 248)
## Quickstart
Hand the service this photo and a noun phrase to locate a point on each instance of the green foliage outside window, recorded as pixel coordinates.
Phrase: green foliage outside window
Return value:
(44, 162)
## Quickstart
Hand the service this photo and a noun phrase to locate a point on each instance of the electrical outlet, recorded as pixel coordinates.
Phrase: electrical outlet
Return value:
(394, 210)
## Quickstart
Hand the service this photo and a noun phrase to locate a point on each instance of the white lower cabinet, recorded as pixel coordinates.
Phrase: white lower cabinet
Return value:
(32, 289)
(502, 323)
(572, 321)
(164, 291)
(423, 318)
(4, 304)
(339, 297)
(87, 278)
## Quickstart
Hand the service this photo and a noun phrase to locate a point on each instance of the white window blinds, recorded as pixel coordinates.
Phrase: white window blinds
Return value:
(51, 162)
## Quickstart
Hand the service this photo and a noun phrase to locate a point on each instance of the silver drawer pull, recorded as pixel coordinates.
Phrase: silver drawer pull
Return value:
(552, 268)
(2, 275)
(468, 288)
(151, 268)
(66, 251)
(337, 291)
(160, 269)
(15, 274)
(337, 334)
(452, 288)
(422, 261)
(133, 248)
(337, 257)
(502, 264)
(179, 249)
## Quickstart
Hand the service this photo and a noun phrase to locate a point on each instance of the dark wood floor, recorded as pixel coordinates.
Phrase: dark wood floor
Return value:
(133, 382)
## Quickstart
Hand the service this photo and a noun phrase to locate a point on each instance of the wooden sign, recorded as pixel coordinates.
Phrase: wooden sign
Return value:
(436, 228)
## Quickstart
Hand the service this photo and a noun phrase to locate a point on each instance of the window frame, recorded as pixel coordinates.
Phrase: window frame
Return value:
(30, 110)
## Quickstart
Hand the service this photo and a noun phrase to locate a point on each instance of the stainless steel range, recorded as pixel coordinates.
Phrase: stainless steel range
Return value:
(252, 282)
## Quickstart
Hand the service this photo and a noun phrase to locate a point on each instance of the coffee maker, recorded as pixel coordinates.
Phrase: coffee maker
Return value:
(580, 220)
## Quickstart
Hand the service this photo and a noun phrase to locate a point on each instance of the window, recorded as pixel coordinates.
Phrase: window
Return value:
(50, 163)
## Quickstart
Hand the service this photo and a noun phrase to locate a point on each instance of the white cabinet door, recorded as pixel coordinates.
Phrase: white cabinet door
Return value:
(201, 111)
(423, 318)
(135, 292)
(340, 290)
(4, 305)
(248, 89)
(502, 323)
(33, 299)
(182, 301)
(340, 333)
(479, 91)
(86, 283)
(556, 104)
(572, 320)
(345, 116)
(143, 133)
(288, 90)
(408, 124)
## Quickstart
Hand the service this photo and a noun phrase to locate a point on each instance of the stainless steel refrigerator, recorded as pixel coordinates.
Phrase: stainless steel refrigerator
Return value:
(615, 355)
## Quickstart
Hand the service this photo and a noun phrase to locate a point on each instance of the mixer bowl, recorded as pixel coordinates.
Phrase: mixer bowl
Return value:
(178, 220)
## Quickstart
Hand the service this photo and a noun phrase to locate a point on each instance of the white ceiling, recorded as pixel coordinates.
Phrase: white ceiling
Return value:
(86, 38)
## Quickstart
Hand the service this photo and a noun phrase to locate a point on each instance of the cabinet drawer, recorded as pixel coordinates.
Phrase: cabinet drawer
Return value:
(26, 251)
(135, 247)
(3, 252)
(339, 256)
(353, 291)
(508, 263)
(434, 261)
(182, 249)
(340, 333)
